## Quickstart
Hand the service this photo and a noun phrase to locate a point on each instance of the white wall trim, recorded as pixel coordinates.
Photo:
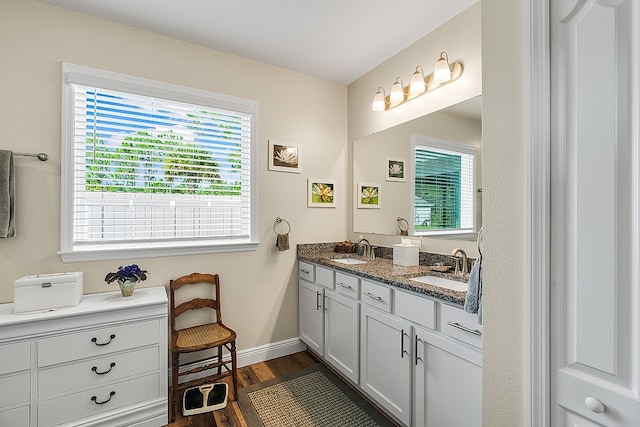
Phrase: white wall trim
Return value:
(538, 194)
(254, 355)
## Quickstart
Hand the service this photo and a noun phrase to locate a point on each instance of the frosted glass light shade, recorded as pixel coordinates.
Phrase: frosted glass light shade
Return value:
(378, 101)
(397, 92)
(417, 86)
(442, 72)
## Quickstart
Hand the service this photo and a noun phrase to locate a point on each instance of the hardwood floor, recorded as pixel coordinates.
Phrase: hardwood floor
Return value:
(231, 416)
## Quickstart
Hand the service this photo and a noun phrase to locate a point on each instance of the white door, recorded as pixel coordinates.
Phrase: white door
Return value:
(385, 361)
(311, 315)
(341, 326)
(595, 213)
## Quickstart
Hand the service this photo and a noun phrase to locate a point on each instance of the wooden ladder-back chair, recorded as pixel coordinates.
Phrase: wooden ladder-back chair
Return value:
(213, 335)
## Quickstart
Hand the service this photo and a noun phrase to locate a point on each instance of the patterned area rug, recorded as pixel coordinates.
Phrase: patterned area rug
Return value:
(312, 397)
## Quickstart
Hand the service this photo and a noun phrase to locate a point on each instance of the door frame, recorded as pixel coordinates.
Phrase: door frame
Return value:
(538, 214)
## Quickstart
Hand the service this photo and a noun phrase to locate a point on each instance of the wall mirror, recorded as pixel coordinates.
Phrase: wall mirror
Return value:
(384, 184)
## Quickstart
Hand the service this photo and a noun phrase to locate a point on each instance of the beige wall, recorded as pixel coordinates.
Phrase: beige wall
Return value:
(260, 288)
(504, 133)
(460, 38)
(502, 83)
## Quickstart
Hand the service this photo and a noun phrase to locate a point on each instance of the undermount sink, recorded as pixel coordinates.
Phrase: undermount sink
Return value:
(349, 261)
(454, 285)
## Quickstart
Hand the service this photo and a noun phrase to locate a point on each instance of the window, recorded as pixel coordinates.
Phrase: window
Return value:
(154, 169)
(444, 186)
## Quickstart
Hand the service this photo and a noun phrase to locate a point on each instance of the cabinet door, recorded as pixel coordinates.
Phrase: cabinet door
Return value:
(311, 316)
(447, 382)
(341, 325)
(385, 361)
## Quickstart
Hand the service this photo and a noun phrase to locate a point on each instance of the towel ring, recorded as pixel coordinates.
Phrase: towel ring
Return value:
(479, 241)
(403, 231)
(278, 221)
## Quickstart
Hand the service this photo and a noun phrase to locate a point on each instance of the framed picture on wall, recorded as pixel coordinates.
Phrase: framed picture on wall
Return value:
(284, 157)
(368, 196)
(396, 169)
(321, 193)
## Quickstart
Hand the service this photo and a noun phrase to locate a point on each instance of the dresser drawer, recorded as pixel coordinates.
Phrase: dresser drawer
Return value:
(95, 372)
(377, 296)
(77, 406)
(15, 357)
(15, 389)
(347, 285)
(18, 417)
(461, 325)
(415, 308)
(324, 277)
(306, 271)
(97, 342)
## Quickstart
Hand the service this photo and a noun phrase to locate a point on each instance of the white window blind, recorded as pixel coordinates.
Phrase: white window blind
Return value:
(155, 171)
(444, 187)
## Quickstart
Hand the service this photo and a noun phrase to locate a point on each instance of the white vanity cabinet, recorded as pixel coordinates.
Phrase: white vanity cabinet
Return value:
(420, 359)
(100, 363)
(329, 316)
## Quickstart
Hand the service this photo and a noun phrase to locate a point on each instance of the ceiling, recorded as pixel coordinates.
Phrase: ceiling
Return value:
(336, 40)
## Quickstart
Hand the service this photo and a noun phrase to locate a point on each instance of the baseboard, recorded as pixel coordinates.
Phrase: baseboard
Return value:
(253, 355)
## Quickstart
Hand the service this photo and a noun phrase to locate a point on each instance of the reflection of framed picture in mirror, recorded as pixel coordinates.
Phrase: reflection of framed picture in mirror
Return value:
(369, 196)
(396, 169)
(321, 193)
(284, 157)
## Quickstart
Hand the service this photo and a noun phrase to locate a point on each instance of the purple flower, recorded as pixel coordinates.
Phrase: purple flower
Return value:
(132, 273)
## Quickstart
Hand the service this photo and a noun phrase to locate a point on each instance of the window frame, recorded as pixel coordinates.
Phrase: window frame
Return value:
(455, 147)
(77, 74)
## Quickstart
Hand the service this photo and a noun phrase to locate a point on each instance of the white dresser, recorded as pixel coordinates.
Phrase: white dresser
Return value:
(100, 363)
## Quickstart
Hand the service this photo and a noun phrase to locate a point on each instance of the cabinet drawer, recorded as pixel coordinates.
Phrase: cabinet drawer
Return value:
(324, 277)
(97, 342)
(306, 271)
(461, 325)
(15, 417)
(15, 357)
(377, 296)
(95, 372)
(416, 309)
(15, 389)
(74, 407)
(347, 285)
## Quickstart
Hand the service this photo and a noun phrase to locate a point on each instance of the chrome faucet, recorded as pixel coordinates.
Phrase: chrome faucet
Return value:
(455, 253)
(365, 249)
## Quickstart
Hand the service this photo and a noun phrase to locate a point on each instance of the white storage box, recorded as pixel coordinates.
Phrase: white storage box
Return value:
(44, 292)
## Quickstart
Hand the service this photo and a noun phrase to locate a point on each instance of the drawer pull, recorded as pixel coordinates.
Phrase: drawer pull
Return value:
(318, 300)
(95, 399)
(464, 328)
(370, 295)
(305, 271)
(418, 340)
(95, 369)
(95, 341)
(344, 286)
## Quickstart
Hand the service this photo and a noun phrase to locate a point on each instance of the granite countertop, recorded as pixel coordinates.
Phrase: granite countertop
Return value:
(383, 270)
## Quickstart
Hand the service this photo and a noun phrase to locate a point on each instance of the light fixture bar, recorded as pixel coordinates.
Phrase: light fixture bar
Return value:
(456, 71)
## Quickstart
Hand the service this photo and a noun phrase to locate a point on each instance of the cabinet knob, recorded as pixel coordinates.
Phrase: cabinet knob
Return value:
(594, 405)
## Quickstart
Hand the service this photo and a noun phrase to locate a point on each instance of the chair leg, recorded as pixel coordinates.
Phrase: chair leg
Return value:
(234, 370)
(175, 364)
(219, 360)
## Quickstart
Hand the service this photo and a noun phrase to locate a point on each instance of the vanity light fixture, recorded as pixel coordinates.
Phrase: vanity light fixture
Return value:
(417, 85)
(397, 94)
(443, 74)
(379, 101)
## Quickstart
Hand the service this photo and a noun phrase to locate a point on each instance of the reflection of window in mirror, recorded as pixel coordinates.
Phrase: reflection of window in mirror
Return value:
(444, 187)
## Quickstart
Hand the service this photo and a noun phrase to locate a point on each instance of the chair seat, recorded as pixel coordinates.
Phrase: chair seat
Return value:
(202, 337)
